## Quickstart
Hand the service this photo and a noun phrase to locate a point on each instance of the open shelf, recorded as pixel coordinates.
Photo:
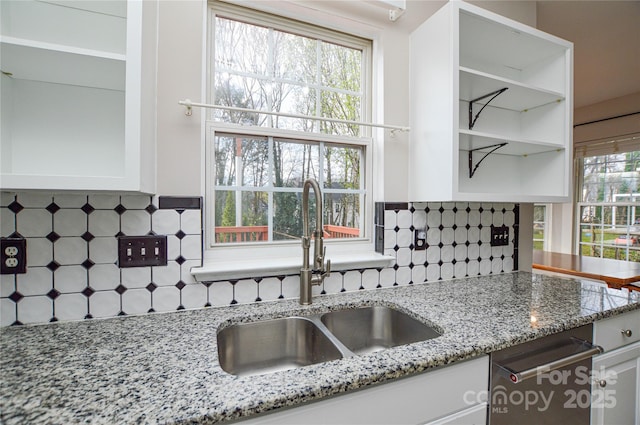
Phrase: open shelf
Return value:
(491, 111)
(513, 51)
(46, 63)
(94, 25)
(518, 97)
(470, 139)
(78, 95)
(514, 178)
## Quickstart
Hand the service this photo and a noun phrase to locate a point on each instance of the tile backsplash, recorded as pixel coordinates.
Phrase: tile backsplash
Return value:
(72, 271)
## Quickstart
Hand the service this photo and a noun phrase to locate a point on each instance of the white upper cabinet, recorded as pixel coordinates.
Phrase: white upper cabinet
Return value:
(78, 95)
(491, 109)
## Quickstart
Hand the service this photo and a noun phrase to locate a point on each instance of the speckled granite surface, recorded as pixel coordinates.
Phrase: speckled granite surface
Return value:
(163, 368)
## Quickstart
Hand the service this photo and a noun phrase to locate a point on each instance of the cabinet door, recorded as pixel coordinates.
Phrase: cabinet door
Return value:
(445, 391)
(476, 415)
(616, 387)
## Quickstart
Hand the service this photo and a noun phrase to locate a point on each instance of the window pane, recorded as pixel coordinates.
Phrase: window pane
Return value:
(612, 178)
(341, 67)
(241, 216)
(240, 92)
(287, 217)
(241, 161)
(295, 57)
(539, 226)
(262, 68)
(342, 167)
(342, 215)
(240, 47)
(343, 107)
(294, 163)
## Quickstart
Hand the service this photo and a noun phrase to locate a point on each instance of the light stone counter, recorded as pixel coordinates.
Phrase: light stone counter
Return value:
(163, 368)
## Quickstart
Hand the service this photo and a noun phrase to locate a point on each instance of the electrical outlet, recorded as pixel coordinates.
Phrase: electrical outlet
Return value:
(499, 235)
(141, 251)
(420, 239)
(13, 255)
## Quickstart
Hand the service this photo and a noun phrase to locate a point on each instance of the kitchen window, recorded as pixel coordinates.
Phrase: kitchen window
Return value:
(292, 97)
(608, 219)
(540, 231)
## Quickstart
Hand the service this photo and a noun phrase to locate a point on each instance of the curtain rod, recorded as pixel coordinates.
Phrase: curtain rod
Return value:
(189, 105)
(606, 119)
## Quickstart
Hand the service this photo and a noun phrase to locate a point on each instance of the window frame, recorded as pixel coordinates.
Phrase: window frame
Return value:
(277, 249)
(546, 226)
(580, 203)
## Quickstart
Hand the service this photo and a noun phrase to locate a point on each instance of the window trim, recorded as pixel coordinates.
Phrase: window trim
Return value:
(356, 252)
(365, 181)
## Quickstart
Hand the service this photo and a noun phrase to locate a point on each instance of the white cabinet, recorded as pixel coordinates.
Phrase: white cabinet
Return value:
(461, 58)
(616, 387)
(78, 95)
(450, 394)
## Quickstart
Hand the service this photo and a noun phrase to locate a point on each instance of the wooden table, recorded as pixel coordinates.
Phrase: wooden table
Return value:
(615, 273)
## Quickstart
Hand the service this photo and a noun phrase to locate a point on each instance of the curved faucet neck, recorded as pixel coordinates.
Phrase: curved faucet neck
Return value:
(311, 183)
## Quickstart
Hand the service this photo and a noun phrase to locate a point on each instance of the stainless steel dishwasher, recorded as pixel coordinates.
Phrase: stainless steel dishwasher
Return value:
(546, 381)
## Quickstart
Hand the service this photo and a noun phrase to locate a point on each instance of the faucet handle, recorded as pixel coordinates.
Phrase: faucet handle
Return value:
(327, 270)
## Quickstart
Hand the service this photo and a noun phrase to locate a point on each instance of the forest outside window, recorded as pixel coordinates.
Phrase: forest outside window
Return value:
(259, 181)
(258, 162)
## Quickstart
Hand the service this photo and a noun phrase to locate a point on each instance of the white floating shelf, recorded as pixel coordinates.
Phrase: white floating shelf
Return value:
(46, 62)
(518, 97)
(469, 139)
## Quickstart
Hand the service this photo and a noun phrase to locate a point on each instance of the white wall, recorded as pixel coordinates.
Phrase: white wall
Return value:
(588, 141)
(180, 76)
(180, 65)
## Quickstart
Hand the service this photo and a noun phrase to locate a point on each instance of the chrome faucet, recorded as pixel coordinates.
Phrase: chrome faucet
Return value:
(312, 276)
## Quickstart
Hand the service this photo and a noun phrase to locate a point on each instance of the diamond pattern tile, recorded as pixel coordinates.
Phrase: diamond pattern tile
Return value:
(53, 236)
(87, 208)
(120, 209)
(53, 266)
(87, 264)
(16, 297)
(53, 208)
(15, 207)
(88, 291)
(87, 236)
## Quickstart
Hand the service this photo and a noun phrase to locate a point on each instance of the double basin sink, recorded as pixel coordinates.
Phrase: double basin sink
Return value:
(291, 342)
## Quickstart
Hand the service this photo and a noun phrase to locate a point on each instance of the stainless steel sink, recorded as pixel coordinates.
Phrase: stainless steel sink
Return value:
(273, 345)
(292, 342)
(370, 329)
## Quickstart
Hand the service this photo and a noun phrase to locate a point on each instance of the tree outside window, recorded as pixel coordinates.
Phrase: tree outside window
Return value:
(258, 180)
(609, 214)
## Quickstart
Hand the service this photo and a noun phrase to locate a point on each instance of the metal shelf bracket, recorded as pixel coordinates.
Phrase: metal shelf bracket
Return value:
(472, 168)
(472, 119)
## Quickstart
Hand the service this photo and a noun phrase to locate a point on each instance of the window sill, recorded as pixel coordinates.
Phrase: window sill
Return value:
(216, 270)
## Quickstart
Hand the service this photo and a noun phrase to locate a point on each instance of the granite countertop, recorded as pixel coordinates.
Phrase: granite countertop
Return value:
(163, 368)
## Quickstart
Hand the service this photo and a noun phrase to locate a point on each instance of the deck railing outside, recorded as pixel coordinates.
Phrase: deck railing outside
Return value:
(261, 233)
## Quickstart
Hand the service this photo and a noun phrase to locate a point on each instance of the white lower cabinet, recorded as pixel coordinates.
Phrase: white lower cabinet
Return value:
(616, 387)
(454, 394)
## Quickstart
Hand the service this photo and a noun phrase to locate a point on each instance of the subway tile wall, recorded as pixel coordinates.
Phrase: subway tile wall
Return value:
(72, 271)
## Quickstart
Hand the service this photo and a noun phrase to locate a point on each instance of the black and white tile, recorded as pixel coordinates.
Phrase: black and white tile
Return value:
(72, 271)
